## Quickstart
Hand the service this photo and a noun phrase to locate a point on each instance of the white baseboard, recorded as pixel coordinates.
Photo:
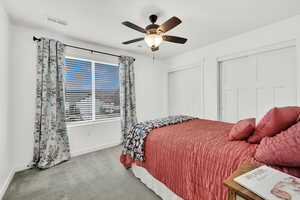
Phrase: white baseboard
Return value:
(96, 148)
(9, 179)
(21, 168)
(6, 183)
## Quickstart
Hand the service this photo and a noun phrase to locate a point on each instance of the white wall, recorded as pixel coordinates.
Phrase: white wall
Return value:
(5, 136)
(272, 34)
(151, 94)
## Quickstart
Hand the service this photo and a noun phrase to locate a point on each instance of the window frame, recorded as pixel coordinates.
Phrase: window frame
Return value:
(93, 120)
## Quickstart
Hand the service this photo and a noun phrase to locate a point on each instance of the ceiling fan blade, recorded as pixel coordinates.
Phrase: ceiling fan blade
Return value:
(169, 24)
(132, 41)
(133, 26)
(155, 48)
(174, 39)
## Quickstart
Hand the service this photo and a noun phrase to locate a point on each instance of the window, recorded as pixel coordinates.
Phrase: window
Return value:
(91, 90)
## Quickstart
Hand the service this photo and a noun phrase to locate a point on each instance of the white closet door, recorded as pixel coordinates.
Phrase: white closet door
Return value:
(251, 85)
(185, 92)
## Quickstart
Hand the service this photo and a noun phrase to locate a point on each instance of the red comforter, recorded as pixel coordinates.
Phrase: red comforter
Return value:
(195, 157)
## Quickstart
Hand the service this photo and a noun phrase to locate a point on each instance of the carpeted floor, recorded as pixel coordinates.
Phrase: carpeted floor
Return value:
(98, 175)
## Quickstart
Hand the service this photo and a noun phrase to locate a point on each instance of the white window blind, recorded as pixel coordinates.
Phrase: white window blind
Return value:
(91, 90)
(107, 91)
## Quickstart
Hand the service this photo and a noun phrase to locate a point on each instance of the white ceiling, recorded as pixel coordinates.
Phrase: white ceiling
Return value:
(204, 21)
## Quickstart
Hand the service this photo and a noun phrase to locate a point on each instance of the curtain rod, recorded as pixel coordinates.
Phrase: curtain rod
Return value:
(91, 50)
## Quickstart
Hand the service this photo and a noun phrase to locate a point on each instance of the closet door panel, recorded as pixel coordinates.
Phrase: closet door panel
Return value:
(265, 101)
(246, 103)
(237, 79)
(239, 73)
(229, 106)
(285, 96)
(262, 81)
(277, 67)
(185, 92)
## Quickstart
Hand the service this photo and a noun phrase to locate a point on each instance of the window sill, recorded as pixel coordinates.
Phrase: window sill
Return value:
(92, 122)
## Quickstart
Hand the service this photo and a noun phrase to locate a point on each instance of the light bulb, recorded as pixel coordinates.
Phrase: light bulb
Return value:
(153, 40)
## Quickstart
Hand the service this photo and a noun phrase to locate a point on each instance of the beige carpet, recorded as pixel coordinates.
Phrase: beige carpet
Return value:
(98, 175)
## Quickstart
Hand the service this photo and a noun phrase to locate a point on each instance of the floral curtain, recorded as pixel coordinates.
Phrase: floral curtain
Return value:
(127, 95)
(51, 143)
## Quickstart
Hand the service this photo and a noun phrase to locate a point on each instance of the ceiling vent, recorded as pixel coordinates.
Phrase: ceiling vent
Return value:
(57, 21)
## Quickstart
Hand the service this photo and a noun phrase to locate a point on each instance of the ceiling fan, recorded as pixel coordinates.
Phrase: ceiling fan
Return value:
(155, 33)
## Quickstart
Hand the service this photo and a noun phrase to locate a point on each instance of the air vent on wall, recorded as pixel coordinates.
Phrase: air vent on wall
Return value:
(57, 21)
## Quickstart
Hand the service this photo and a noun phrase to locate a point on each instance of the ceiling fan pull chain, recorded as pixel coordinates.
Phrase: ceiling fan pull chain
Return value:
(153, 58)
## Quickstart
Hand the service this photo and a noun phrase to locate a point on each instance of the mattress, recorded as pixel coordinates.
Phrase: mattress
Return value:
(155, 185)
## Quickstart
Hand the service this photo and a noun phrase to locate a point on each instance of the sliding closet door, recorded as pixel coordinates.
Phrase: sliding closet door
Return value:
(185, 92)
(251, 85)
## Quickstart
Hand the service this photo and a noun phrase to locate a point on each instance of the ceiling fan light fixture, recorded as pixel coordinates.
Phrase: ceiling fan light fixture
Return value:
(153, 40)
(155, 33)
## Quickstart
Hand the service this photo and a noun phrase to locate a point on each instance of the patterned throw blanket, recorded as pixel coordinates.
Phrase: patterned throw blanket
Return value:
(133, 144)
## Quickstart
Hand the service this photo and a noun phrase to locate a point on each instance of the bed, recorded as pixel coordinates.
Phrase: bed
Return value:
(192, 159)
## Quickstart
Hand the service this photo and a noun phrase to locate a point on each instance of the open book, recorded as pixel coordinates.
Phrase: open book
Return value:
(270, 184)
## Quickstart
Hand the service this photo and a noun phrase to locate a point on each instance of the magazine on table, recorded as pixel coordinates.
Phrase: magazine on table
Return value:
(270, 184)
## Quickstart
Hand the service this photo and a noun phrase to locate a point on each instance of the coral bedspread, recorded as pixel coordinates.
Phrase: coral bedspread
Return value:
(195, 157)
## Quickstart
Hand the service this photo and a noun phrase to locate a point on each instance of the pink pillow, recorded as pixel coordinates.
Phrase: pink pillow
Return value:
(282, 149)
(242, 129)
(275, 121)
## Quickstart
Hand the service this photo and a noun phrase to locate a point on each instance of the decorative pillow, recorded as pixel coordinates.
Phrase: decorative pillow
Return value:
(242, 130)
(282, 149)
(275, 121)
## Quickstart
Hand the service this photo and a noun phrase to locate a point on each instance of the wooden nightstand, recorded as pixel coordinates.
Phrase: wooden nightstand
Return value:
(236, 191)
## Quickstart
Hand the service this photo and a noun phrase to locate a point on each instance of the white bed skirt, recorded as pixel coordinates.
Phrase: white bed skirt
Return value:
(156, 186)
